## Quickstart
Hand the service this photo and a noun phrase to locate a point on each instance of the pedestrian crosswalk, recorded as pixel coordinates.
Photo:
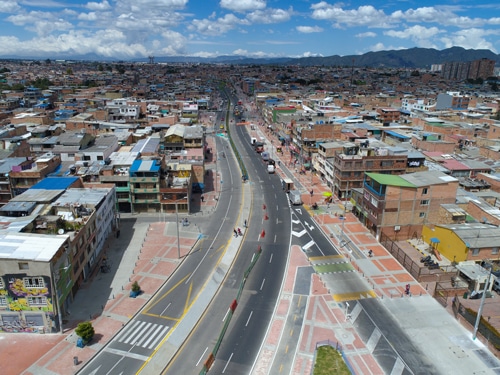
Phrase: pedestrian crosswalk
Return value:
(144, 334)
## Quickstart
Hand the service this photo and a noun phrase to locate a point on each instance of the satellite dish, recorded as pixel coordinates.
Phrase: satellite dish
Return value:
(60, 231)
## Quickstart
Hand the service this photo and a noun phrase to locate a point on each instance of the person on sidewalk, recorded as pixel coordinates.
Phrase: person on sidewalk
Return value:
(202, 198)
(235, 232)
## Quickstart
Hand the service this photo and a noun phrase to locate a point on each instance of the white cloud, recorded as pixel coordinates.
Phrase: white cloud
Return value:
(98, 6)
(242, 6)
(365, 15)
(92, 16)
(175, 43)
(421, 36)
(216, 27)
(382, 47)
(109, 43)
(443, 16)
(309, 29)
(270, 16)
(310, 54)
(42, 23)
(368, 34)
(470, 38)
(9, 6)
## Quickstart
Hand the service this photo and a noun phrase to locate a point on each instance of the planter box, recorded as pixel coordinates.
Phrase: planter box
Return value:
(135, 294)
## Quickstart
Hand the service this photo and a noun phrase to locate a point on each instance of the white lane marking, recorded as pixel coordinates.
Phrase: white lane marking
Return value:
(249, 317)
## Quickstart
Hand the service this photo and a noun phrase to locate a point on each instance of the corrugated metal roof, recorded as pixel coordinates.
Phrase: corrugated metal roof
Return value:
(55, 183)
(145, 166)
(391, 180)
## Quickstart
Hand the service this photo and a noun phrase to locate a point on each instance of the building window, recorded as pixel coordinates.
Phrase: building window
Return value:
(421, 214)
(3, 301)
(494, 251)
(24, 266)
(475, 252)
(425, 191)
(37, 301)
(33, 282)
(100, 157)
(424, 202)
(2, 285)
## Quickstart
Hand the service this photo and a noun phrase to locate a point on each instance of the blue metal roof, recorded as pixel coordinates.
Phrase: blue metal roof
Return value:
(55, 183)
(145, 166)
(397, 135)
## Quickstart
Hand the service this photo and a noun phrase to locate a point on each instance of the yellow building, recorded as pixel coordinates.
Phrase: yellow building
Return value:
(461, 242)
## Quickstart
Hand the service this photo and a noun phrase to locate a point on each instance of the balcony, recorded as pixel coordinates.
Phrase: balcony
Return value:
(136, 200)
(143, 179)
(144, 190)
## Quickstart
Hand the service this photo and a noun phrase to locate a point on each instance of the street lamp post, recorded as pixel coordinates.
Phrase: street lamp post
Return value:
(480, 310)
(56, 296)
(177, 226)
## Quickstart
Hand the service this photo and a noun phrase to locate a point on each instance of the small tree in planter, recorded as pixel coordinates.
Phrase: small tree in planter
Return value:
(85, 331)
(136, 289)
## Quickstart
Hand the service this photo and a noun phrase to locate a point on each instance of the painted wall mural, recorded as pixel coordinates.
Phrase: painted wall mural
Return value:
(26, 304)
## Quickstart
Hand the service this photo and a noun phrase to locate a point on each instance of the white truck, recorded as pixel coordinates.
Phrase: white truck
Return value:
(270, 168)
(295, 198)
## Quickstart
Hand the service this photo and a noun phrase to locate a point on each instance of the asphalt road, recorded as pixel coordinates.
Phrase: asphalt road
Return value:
(246, 330)
(127, 352)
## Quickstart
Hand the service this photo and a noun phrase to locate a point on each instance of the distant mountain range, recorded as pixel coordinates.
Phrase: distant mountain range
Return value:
(406, 58)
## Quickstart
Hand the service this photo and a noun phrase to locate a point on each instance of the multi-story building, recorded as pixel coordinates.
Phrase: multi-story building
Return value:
(6, 167)
(117, 173)
(452, 100)
(460, 71)
(55, 241)
(401, 205)
(350, 165)
(388, 115)
(29, 175)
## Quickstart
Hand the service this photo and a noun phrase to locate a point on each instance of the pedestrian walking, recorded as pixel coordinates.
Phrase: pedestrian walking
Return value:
(245, 223)
(202, 198)
(235, 232)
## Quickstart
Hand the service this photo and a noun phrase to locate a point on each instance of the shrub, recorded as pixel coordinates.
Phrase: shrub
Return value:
(136, 287)
(85, 330)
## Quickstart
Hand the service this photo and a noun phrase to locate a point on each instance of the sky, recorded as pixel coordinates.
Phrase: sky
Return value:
(131, 29)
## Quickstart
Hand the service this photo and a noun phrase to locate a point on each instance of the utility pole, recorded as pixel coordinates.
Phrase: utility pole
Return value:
(483, 297)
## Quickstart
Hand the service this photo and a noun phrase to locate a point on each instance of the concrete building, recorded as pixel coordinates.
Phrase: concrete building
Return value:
(465, 242)
(401, 205)
(51, 242)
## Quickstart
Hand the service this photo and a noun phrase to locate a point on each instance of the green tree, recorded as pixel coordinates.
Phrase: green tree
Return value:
(18, 87)
(85, 330)
(42, 83)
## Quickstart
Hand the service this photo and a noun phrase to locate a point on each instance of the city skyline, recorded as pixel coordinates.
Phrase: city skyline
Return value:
(126, 29)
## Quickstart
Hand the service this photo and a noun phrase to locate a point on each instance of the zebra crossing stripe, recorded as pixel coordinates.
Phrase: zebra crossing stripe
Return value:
(145, 334)
(158, 338)
(135, 333)
(124, 333)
